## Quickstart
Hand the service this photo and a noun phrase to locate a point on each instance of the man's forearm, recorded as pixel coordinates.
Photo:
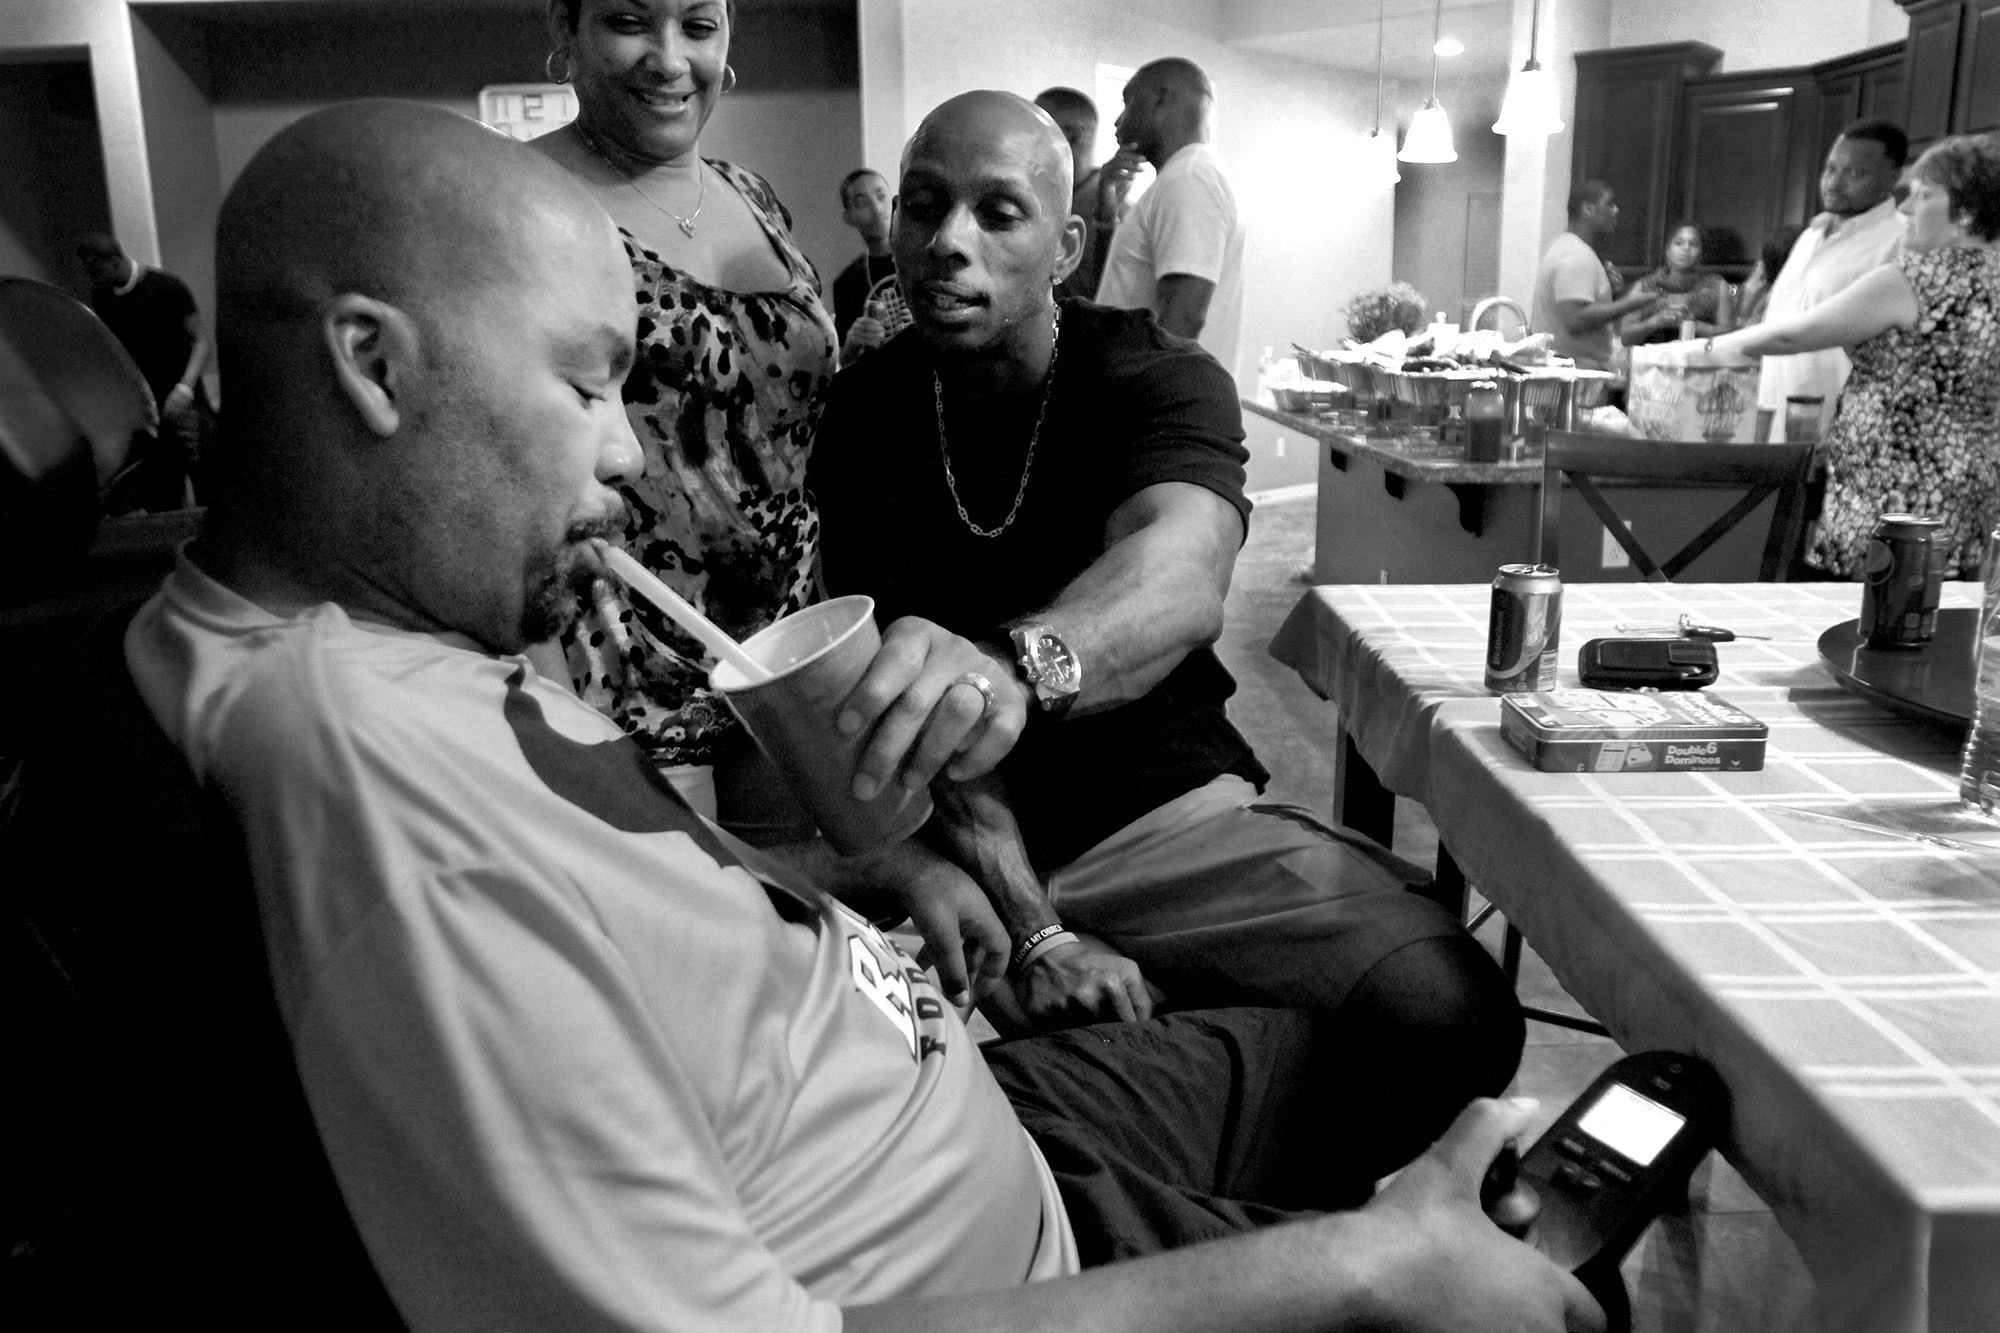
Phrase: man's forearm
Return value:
(1291, 1277)
(1183, 301)
(975, 827)
(1154, 596)
(1582, 319)
(197, 361)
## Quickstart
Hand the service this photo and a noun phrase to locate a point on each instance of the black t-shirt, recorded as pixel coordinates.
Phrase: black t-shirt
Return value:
(1132, 406)
(851, 288)
(152, 321)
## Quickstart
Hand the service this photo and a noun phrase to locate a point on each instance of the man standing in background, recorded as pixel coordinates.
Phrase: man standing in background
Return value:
(153, 314)
(1096, 198)
(1859, 230)
(864, 206)
(1573, 289)
(1179, 253)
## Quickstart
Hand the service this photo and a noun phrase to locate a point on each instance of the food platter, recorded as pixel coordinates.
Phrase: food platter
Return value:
(1932, 683)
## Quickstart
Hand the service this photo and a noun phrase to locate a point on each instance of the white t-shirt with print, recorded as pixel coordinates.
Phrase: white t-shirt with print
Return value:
(575, 1065)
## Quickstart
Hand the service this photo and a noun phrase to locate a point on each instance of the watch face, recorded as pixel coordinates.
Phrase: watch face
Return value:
(1055, 663)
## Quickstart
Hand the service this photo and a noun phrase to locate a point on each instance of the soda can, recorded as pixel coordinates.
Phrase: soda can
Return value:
(1524, 630)
(1902, 580)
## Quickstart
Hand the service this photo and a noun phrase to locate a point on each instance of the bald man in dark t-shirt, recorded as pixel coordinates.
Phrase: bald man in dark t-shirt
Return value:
(153, 314)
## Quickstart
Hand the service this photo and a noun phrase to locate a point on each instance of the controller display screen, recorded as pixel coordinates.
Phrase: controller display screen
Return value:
(1635, 1126)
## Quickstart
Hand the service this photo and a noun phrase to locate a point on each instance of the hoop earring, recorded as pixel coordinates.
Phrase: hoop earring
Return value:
(549, 65)
(728, 77)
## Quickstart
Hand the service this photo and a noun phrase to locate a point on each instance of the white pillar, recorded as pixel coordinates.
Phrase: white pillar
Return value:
(1534, 191)
(885, 121)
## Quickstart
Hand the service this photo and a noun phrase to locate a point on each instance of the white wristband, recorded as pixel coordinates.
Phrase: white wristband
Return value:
(1061, 937)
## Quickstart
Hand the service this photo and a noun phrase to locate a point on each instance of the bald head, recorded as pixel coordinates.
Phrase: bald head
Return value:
(394, 200)
(986, 120)
(1177, 75)
(1166, 108)
(983, 230)
(423, 326)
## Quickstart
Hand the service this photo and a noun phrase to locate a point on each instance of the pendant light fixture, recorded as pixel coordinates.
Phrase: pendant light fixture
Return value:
(1380, 161)
(1530, 105)
(1429, 139)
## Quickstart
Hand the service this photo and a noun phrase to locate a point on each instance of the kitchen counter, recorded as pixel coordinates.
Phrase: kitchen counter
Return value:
(1413, 458)
(1406, 509)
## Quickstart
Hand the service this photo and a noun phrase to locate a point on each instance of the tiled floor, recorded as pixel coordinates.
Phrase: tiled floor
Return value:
(1723, 1266)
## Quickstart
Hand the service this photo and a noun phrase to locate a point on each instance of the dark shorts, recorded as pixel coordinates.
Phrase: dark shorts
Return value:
(1223, 900)
(1187, 1128)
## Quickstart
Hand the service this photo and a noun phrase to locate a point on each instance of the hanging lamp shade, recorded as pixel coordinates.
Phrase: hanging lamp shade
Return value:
(1429, 139)
(1530, 106)
(1379, 156)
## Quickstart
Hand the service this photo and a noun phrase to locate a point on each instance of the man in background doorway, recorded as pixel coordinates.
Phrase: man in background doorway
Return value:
(1096, 198)
(1574, 288)
(1859, 230)
(864, 206)
(153, 314)
(1179, 252)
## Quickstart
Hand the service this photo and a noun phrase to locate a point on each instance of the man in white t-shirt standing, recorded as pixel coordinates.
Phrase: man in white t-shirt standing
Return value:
(1859, 230)
(1179, 251)
(1573, 290)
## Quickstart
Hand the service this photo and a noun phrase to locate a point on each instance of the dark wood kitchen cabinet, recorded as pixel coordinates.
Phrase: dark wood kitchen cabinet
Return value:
(1628, 132)
(1867, 83)
(1951, 68)
(1748, 162)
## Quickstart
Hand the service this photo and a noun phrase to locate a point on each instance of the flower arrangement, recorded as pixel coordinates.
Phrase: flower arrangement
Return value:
(1371, 314)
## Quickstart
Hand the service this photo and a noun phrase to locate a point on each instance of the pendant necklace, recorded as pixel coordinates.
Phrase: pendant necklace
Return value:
(1021, 491)
(686, 224)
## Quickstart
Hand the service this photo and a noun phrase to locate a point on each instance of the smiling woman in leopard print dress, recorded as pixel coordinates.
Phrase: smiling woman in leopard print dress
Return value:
(735, 354)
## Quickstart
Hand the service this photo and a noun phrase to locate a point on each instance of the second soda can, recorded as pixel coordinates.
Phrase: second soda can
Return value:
(1903, 579)
(1524, 630)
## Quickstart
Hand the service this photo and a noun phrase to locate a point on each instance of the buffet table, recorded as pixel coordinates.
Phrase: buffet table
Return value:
(1845, 983)
(1406, 509)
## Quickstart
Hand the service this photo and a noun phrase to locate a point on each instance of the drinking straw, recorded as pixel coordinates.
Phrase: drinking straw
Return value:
(640, 580)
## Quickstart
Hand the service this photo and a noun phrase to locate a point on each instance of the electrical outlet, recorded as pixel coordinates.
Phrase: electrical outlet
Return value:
(1613, 555)
(1279, 448)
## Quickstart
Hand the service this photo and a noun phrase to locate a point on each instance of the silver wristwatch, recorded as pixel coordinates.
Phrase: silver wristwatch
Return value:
(1050, 667)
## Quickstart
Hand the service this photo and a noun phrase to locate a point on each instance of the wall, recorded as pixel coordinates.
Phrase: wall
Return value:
(102, 29)
(180, 149)
(1533, 204)
(1288, 132)
(1764, 35)
(795, 67)
(1431, 199)
(186, 92)
(51, 171)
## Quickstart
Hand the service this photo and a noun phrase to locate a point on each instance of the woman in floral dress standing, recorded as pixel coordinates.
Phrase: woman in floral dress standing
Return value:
(1916, 430)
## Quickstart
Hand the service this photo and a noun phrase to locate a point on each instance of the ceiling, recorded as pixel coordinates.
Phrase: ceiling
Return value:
(1336, 33)
(1342, 33)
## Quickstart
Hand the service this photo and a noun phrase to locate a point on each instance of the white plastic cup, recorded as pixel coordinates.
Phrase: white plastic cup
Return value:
(816, 657)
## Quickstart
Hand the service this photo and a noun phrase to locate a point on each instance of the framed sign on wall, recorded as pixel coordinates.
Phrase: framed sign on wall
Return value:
(526, 110)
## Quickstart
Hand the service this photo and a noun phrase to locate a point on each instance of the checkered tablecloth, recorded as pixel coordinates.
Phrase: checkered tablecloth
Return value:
(1846, 984)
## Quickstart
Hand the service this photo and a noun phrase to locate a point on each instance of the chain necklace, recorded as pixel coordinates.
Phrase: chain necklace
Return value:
(1021, 491)
(686, 224)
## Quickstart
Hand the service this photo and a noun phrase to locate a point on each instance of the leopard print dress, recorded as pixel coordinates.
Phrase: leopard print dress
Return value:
(724, 398)
(1915, 432)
